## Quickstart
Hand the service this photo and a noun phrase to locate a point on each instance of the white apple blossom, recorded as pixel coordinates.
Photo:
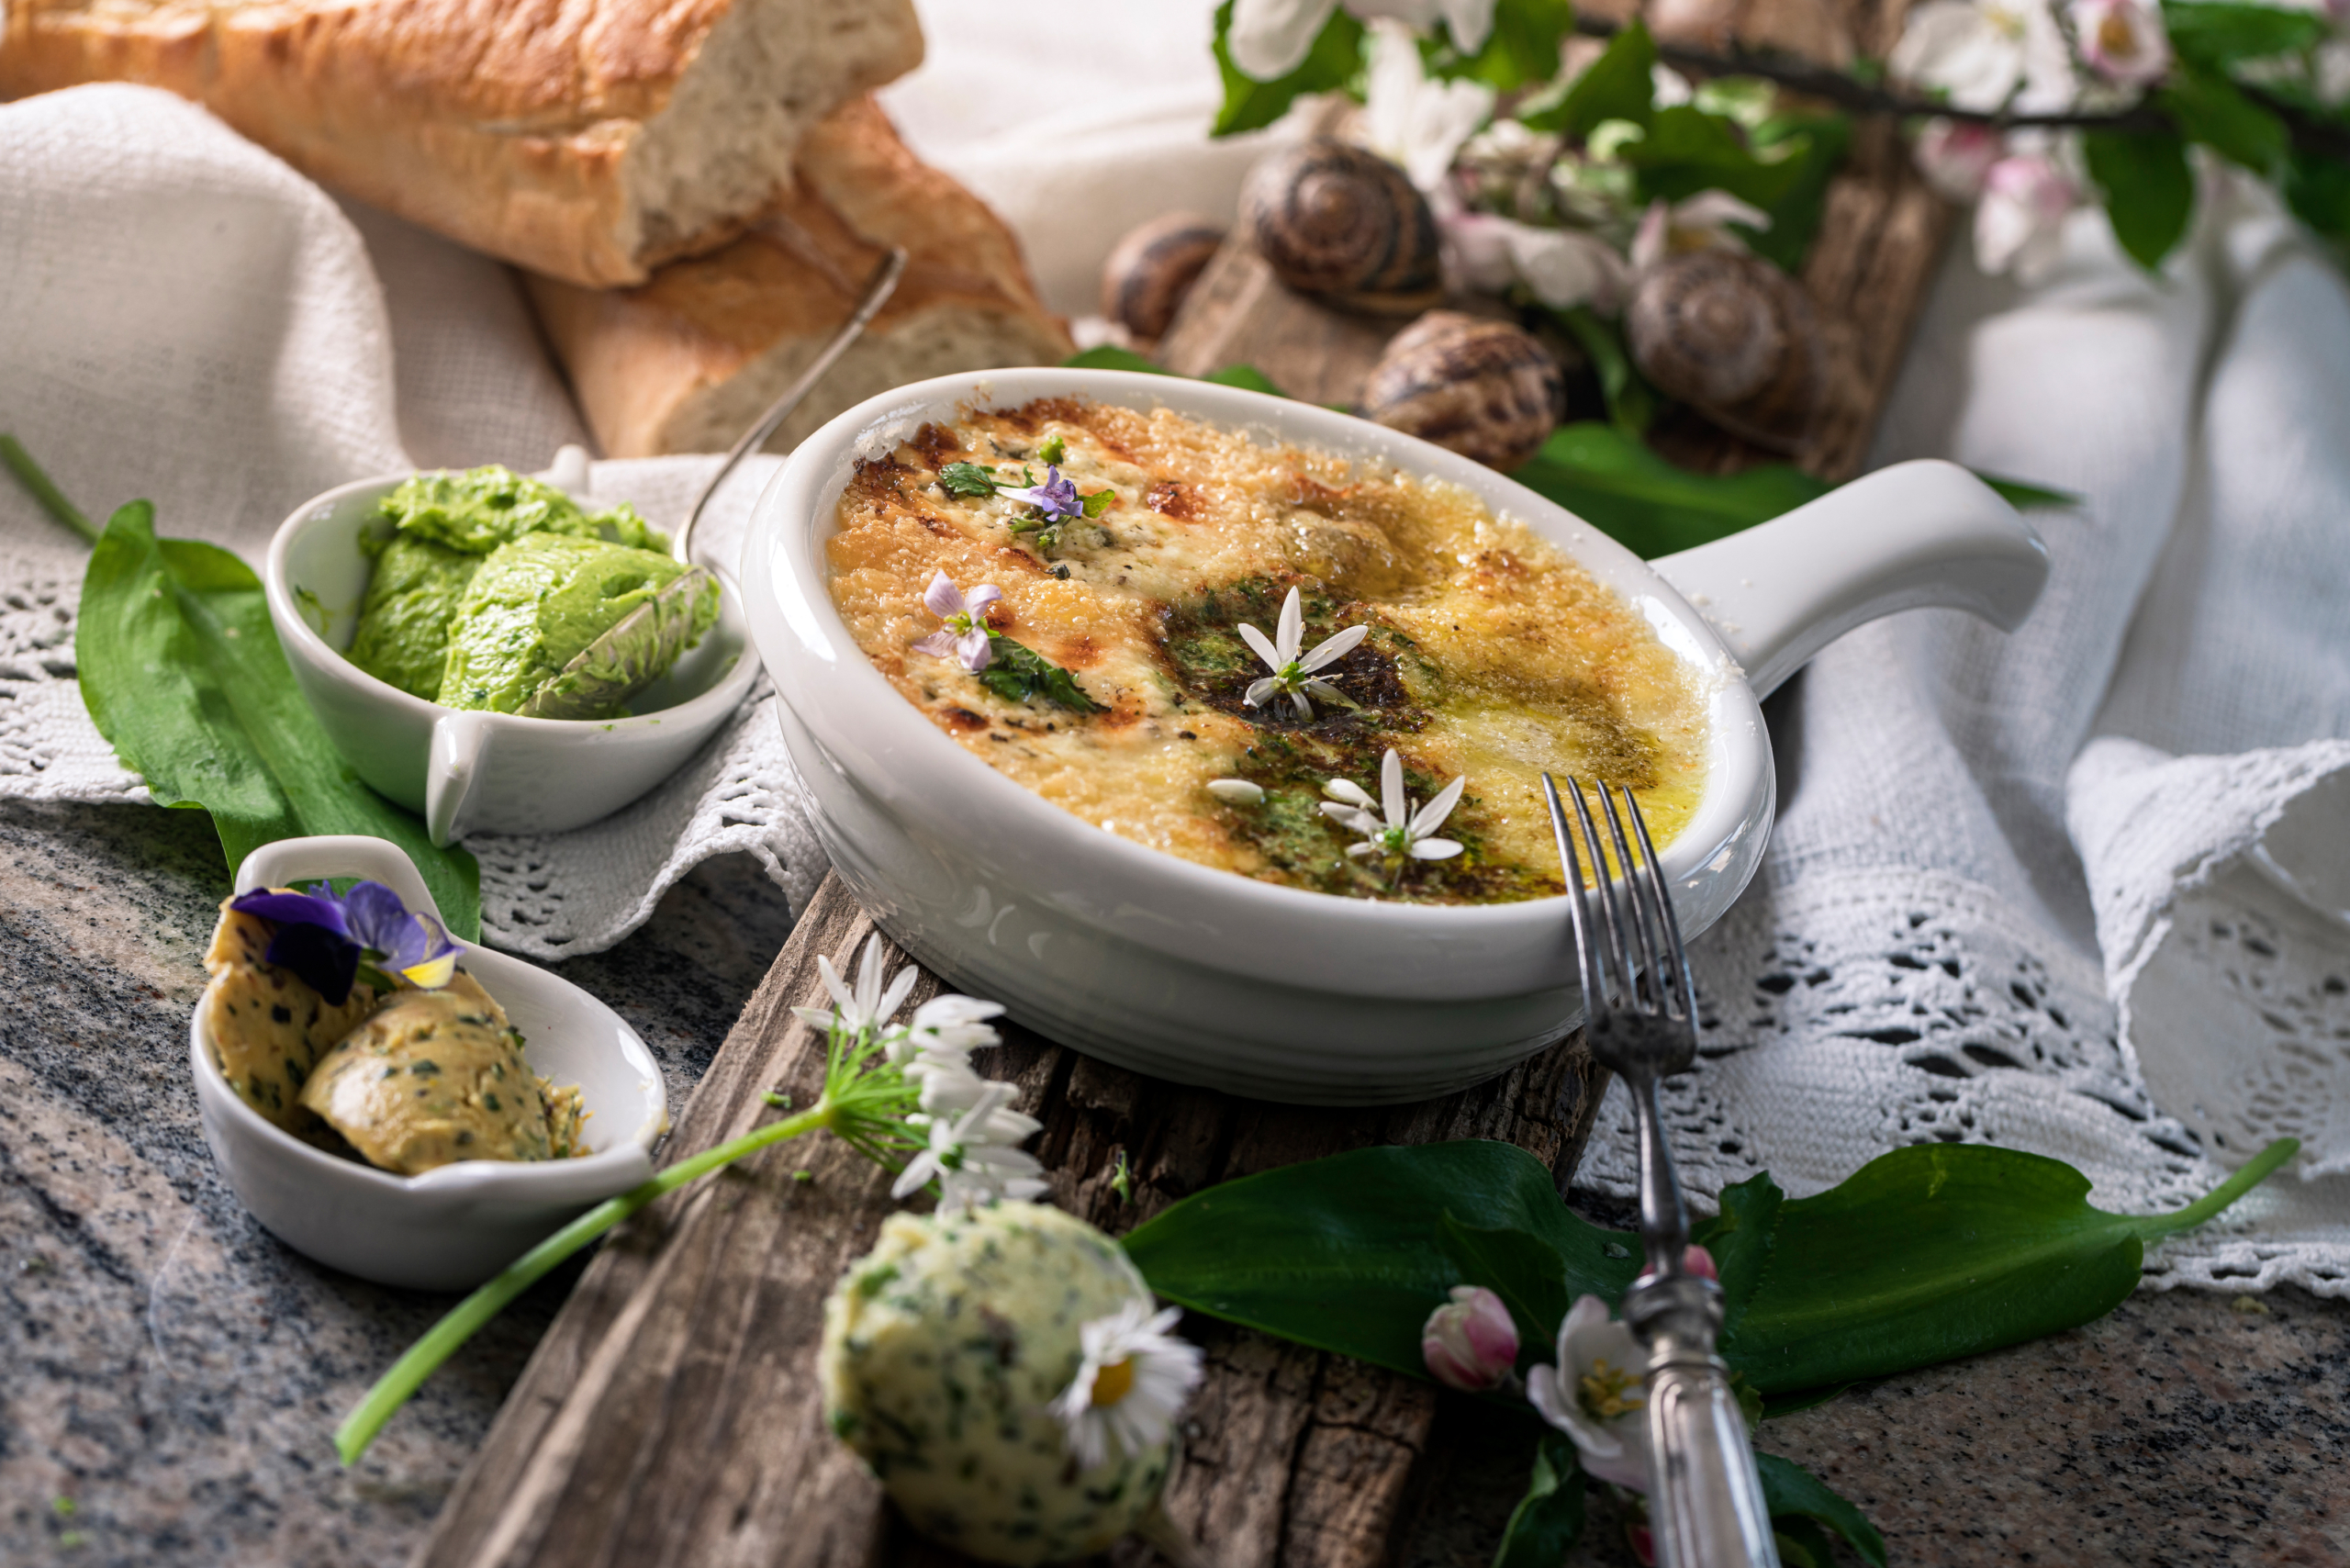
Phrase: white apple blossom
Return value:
(1269, 39)
(1595, 1394)
(1987, 55)
(1561, 267)
(1955, 155)
(2121, 40)
(1697, 222)
(1404, 833)
(2019, 221)
(1293, 672)
(1237, 791)
(1412, 121)
(1133, 1380)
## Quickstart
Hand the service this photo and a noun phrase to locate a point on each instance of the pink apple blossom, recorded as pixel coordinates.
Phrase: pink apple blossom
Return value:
(1470, 1343)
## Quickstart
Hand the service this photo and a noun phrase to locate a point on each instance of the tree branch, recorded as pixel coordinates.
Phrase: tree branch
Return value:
(1849, 92)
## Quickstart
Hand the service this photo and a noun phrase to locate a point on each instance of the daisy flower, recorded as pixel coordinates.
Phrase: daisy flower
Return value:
(1132, 1382)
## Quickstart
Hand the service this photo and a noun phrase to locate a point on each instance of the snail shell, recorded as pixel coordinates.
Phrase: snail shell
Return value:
(1484, 389)
(1332, 219)
(1734, 337)
(1145, 278)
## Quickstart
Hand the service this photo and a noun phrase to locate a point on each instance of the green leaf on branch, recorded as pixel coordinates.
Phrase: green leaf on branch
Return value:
(1631, 401)
(1687, 151)
(2026, 498)
(1521, 49)
(1619, 487)
(1927, 1254)
(1109, 356)
(2149, 191)
(2208, 108)
(1329, 66)
(2216, 35)
(1791, 1492)
(1816, 144)
(1548, 1518)
(183, 674)
(1350, 1253)
(2318, 190)
(1247, 377)
(1619, 84)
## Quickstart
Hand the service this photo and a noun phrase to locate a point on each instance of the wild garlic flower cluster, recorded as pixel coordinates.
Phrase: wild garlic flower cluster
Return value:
(971, 1135)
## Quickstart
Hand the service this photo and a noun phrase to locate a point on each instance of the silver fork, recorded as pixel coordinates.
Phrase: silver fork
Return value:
(1706, 1508)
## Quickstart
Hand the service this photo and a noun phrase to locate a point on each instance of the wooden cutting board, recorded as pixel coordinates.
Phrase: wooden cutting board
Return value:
(671, 1415)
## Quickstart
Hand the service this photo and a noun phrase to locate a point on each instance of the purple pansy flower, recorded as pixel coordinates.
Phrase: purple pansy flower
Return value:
(965, 636)
(1056, 498)
(324, 939)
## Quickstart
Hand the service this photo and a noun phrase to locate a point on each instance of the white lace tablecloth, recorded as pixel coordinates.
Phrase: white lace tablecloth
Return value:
(2076, 890)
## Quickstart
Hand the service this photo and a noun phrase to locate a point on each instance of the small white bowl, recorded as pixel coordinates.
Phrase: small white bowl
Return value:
(450, 1229)
(476, 772)
(1185, 972)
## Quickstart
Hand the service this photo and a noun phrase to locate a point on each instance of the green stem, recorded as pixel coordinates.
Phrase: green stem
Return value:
(406, 1375)
(2209, 1205)
(42, 490)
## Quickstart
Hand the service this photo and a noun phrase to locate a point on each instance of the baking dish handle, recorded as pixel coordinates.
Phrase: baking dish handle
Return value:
(1914, 535)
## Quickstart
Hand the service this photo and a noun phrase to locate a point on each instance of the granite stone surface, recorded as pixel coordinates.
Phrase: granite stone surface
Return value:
(170, 1374)
(169, 1371)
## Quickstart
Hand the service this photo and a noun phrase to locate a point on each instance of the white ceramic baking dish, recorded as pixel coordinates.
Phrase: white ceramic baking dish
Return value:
(1204, 977)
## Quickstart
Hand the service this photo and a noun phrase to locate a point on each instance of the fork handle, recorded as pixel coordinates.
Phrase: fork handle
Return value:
(1706, 1508)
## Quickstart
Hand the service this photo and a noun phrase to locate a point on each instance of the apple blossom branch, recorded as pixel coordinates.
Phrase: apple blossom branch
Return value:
(1849, 92)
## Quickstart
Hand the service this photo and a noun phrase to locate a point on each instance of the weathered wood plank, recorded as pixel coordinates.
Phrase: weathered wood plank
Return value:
(671, 1415)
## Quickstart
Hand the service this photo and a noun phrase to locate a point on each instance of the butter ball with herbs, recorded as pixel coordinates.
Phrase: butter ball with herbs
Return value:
(1003, 1374)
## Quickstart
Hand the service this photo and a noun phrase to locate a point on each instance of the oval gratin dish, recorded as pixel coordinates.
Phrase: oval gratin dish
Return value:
(1206, 977)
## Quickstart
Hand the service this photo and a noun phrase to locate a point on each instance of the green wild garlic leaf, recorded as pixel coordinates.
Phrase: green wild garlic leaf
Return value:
(966, 479)
(182, 675)
(1922, 1256)
(1020, 674)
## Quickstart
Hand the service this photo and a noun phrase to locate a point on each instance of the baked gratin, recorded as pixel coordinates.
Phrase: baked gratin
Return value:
(1062, 588)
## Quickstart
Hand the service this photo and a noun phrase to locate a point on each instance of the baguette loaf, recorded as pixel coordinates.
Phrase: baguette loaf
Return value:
(687, 361)
(590, 140)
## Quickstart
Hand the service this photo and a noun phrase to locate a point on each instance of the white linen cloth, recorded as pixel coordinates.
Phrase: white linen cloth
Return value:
(2066, 890)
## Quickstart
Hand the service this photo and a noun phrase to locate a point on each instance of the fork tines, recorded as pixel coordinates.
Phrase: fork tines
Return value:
(1631, 955)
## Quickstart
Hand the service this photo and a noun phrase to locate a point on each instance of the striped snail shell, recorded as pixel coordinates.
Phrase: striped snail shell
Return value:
(1485, 389)
(1735, 338)
(1145, 278)
(1333, 218)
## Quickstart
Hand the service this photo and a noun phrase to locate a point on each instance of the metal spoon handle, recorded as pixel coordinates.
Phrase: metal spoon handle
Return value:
(878, 289)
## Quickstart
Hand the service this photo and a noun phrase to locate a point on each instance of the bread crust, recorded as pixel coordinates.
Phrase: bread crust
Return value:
(507, 125)
(670, 366)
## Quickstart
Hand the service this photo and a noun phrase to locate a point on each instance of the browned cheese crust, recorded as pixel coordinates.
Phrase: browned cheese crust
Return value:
(1491, 655)
(504, 124)
(686, 363)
